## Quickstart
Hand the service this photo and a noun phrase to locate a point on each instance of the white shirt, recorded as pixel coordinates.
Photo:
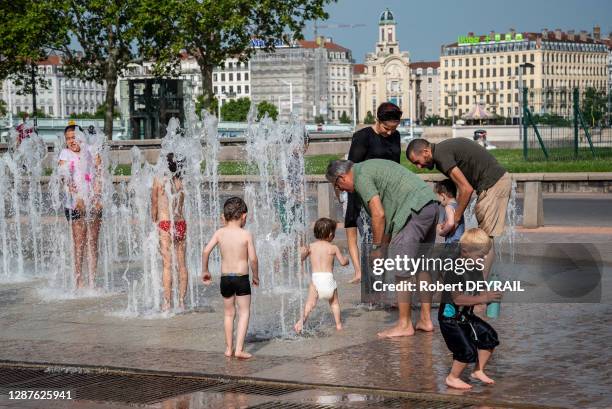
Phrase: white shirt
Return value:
(79, 169)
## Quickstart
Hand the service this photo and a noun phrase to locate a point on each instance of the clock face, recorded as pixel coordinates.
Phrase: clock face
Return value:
(393, 71)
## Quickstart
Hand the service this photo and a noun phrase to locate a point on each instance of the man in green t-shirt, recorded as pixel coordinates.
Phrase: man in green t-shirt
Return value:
(404, 214)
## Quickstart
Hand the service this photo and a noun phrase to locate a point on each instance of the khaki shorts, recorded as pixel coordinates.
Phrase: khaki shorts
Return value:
(491, 206)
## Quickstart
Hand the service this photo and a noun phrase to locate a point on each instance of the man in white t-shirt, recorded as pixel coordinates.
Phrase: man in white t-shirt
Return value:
(79, 168)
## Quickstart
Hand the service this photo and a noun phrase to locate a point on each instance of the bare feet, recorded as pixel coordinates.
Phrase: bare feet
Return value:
(426, 326)
(228, 352)
(481, 376)
(242, 355)
(339, 327)
(457, 383)
(298, 326)
(397, 331)
(165, 305)
(355, 280)
(181, 304)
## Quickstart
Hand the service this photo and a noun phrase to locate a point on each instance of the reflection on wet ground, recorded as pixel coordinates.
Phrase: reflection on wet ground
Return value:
(550, 354)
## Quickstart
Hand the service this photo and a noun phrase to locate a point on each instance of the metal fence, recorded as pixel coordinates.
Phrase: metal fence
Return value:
(566, 124)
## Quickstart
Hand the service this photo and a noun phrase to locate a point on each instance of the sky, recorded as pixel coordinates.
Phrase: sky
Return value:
(423, 26)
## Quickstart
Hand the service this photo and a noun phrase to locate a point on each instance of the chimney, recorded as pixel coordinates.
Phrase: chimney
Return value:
(545, 33)
(583, 35)
(492, 35)
(558, 33)
(597, 33)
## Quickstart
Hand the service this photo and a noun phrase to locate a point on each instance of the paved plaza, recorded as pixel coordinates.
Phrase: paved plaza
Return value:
(546, 350)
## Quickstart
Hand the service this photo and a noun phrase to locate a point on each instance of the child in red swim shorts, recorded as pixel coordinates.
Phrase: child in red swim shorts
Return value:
(167, 199)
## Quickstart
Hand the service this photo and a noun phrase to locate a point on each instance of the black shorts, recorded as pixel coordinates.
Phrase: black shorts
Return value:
(235, 285)
(74, 214)
(465, 338)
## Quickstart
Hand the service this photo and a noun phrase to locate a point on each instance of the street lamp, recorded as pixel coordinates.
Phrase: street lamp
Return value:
(290, 92)
(353, 91)
(521, 69)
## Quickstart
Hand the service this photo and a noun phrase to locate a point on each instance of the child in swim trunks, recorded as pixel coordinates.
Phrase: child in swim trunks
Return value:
(167, 198)
(469, 338)
(322, 253)
(237, 255)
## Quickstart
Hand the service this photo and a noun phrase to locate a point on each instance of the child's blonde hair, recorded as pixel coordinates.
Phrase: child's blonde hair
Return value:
(476, 239)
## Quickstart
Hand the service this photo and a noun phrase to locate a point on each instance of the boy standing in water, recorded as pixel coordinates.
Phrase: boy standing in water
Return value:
(167, 198)
(237, 255)
(322, 254)
(469, 338)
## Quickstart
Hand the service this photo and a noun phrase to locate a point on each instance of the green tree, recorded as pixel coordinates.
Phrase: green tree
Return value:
(431, 120)
(3, 109)
(39, 114)
(369, 118)
(319, 119)
(213, 30)
(236, 110)
(593, 106)
(101, 112)
(344, 118)
(26, 37)
(99, 41)
(212, 109)
(264, 107)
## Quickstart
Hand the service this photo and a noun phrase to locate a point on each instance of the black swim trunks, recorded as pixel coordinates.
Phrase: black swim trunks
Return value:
(465, 336)
(235, 285)
(74, 214)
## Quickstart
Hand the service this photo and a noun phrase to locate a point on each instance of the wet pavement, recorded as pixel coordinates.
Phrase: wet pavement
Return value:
(550, 354)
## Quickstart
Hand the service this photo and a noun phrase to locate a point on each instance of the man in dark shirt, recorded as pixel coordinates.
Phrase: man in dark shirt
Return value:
(380, 141)
(472, 168)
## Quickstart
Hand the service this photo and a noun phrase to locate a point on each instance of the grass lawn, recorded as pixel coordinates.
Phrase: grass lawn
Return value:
(511, 159)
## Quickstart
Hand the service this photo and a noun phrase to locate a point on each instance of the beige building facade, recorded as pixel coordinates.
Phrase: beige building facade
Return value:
(486, 70)
(425, 82)
(385, 74)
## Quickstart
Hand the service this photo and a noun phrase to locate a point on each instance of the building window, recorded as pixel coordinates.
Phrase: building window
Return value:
(231, 76)
(246, 76)
(238, 76)
(215, 90)
(222, 76)
(238, 89)
(246, 89)
(231, 89)
(391, 50)
(531, 57)
(429, 80)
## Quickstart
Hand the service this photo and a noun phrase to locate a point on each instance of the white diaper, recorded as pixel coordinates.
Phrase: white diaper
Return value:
(325, 284)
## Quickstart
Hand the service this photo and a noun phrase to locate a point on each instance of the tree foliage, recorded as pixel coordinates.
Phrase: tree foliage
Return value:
(3, 109)
(265, 107)
(213, 30)
(236, 110)
(432, 120)
(344, 118)
(593, 106)
(369, 118)
(99, 41)
(27, 35)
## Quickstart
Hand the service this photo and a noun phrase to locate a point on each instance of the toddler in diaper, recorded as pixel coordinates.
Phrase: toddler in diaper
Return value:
(322, 254)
